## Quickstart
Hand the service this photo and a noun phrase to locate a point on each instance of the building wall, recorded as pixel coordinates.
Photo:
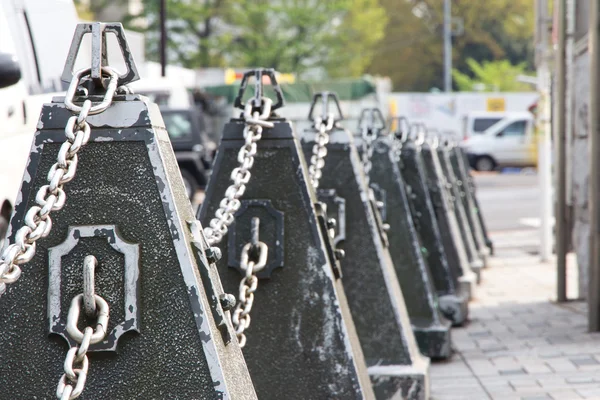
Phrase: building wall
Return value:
(580, 165)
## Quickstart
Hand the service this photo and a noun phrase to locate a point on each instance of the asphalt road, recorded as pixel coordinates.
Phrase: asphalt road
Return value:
(509, 201)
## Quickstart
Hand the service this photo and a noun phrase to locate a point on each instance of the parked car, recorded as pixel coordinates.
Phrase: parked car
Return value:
(193, 149)
(510, 142)
(477, 122)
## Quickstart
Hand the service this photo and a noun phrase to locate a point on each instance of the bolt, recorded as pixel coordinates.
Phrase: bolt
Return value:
(331, 223)
(213, 254)
(339, 254)
(227, 301)
(81, 92)
(386, 227)
(380, 204)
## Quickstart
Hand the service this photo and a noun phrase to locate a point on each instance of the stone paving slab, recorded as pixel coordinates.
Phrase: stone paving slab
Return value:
(519, 344)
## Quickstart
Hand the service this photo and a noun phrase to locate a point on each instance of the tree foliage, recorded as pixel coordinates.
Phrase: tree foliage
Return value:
(498, 76)
(412, 53)
(336, 37)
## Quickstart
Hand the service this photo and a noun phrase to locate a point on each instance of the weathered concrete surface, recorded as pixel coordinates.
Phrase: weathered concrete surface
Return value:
(447, 220)
(580, 169)
(127, 176)
(453, 301)
(301, 342)
(431, 329)
(378, 308)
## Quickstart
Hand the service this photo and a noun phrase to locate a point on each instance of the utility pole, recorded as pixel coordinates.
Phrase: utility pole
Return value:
(163, 38)
(594, 188)
(544, 129)
(447, 46)
(561, 228)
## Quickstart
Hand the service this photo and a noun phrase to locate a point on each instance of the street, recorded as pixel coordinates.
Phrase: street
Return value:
(509, 201)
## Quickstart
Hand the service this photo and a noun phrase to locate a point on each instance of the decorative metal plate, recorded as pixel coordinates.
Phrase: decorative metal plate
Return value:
(57, 317)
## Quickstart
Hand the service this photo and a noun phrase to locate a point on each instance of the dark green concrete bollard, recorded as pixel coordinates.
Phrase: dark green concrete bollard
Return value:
(446, 217)
(396, 367)
(453, 299)
(302, 343)
(431, 329)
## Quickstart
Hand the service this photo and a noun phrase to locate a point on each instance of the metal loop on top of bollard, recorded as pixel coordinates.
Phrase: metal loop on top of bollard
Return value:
(111, 88)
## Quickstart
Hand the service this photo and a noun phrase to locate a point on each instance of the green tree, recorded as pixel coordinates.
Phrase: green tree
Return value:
(412, 54)
(334, 36)
(500, 76)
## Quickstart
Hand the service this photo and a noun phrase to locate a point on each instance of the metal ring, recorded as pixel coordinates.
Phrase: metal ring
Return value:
(108, 96)
(101, 324)
(263, 251)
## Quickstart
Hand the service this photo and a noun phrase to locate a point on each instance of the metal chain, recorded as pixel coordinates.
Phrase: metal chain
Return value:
(248, 285)
(368, 138)
(255, 122)
(52, 197)
(72, 382)
(317, 161)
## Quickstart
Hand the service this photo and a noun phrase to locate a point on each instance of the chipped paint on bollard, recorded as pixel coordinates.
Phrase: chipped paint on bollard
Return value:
(453, 300)
(127, 206)
(119, 246)
(396, 367)
(475, 259)
(446, 218)
(302, 343)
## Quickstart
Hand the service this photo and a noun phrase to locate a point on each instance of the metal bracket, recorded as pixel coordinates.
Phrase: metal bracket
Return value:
(271, 232)
(336, 205)
(326, 99)
(131, 271)
(258, 75)
(333, 255)
(380, 225)
(403, 130)
(381, 198)
(372, 120)
(216, 308)
(99, 54)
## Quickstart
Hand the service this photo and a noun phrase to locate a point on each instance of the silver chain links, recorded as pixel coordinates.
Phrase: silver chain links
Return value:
(368, 138)
(52, 197)
(224, 216)
(72, 382)
(248, 285)
(319, 150)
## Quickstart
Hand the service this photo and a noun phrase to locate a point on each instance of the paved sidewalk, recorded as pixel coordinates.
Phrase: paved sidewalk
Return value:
(519, 344)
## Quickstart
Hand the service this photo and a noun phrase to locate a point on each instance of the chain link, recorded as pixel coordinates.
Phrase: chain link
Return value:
(317, 161)
(52, 197)
(248, 285)
(368, 137)
(76, 365)
(255, 122)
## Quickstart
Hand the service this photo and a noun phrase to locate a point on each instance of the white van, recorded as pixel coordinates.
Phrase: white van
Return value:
(477, 122)
(32, 33)
(509, 142)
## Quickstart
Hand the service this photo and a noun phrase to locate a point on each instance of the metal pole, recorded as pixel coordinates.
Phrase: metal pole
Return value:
(561, 158)
(163, 38)
(594, 122)
(447, 46)
(545, 128)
